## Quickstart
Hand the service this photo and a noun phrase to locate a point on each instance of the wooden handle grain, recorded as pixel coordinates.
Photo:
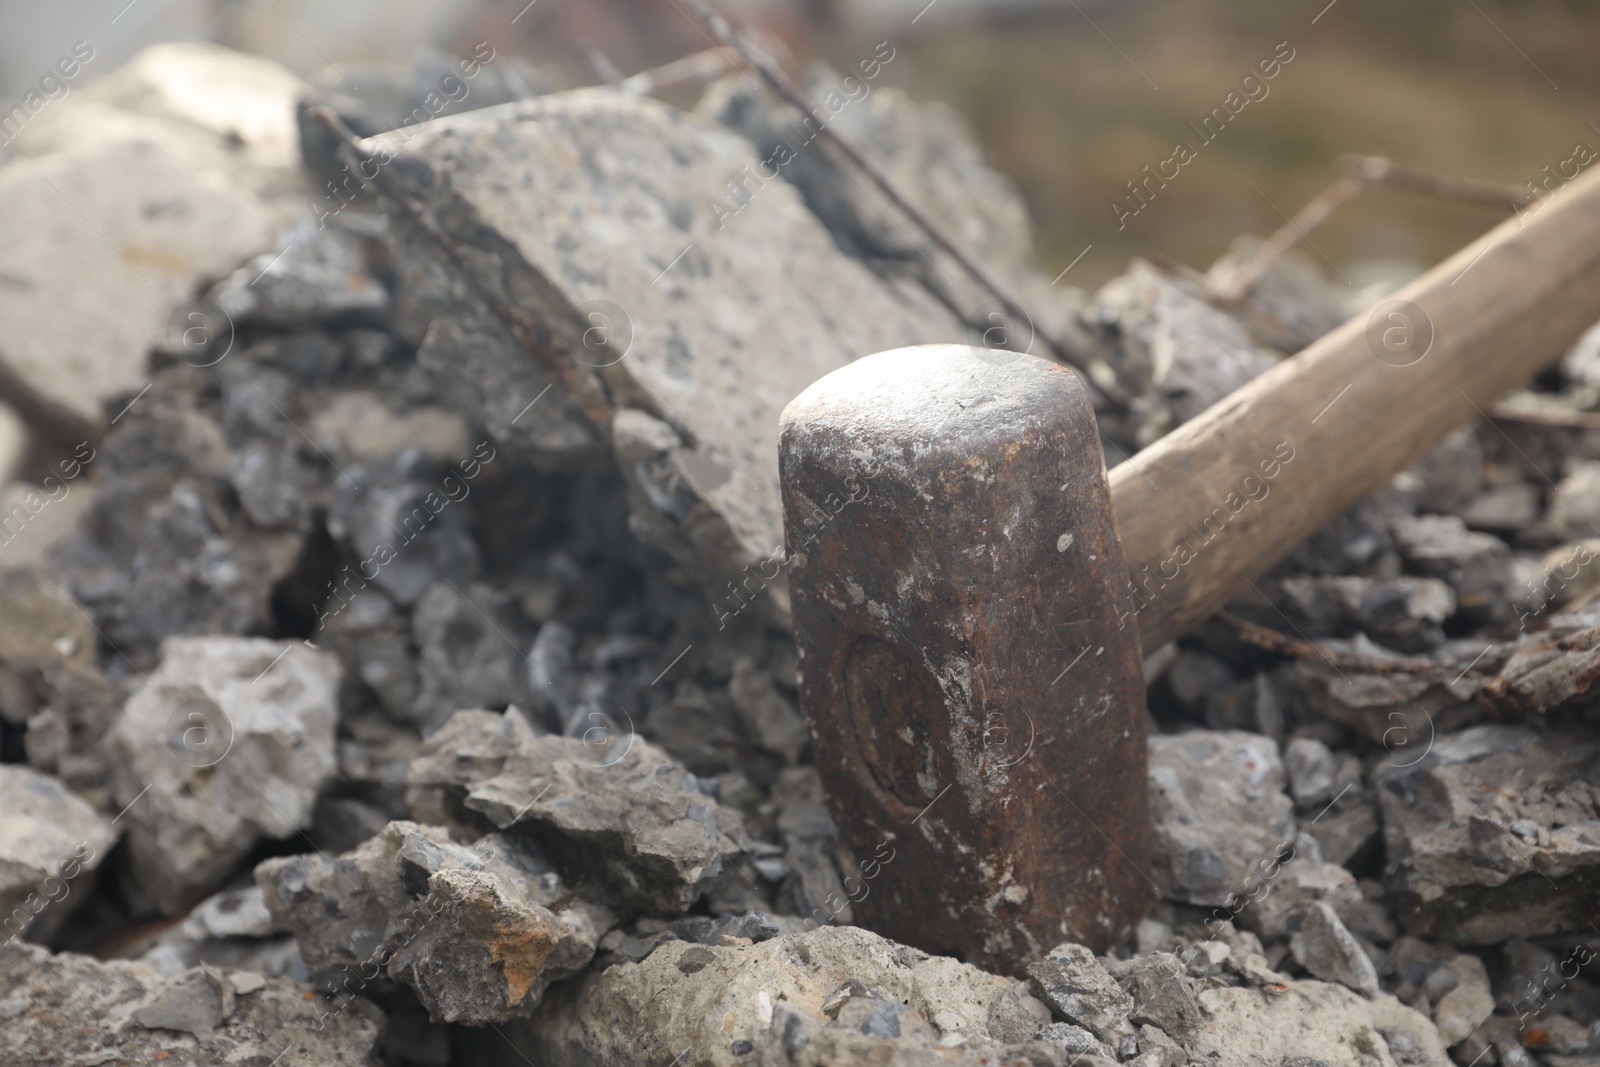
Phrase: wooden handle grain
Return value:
(1227, 495)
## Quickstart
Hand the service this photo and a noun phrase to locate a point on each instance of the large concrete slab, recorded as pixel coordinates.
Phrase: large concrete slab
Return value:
(592, 215)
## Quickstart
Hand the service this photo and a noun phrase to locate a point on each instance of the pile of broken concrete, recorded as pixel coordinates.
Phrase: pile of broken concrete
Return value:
(404, 681)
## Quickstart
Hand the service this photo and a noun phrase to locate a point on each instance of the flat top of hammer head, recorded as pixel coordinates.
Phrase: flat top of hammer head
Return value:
(955, 396)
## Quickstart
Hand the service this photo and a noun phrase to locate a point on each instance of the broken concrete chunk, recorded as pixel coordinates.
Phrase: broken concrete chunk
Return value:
(1476, 565)
(1303, 1023)
(74, 1009)
(1467, 1004)
(196, 1003)
(1291, 303)
(1574, 511)
(117, 258)
(662, 308)
(228, 742)
(769, 717)
(50, 844)
(236, 98)
(837, 990)
(1312, 769)
(1345, 831)
(471, 652)
(1495, 834)
(371, 635)
(1324, 946)
(1219, 813)
(1080, 991)
(1449, 476)
(1300, 884)
(1547, 674)
(405, 526)
(649, 835)
(314, 275)
(471, 746)
(1163, 994)
(1401, 612)
(1177, 352)
(813, 886)
(1503, 509)
(935, 161)
(231, 931)
(49, 681)
(166, 548)
(476, 931)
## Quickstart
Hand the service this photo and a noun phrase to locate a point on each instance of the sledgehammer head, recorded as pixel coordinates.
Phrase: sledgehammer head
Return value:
(977, 712)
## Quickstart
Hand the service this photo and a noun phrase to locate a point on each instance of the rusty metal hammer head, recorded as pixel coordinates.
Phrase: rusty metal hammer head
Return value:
(977, 713)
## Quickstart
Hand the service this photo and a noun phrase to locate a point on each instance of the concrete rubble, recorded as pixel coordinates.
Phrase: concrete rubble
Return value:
(51, 842)
(228, 742)
(1495, 834)
(1218, 811)
(405, 671)
(470, 930)
(69, 1008)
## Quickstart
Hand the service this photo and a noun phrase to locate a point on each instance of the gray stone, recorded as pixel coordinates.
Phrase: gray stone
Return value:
(371, 635)
(1476, 565)
(228, 742)
(78, 1010)
(1398, 711)
(314, 275)
(1162, 991)
(1300, 884)
(471, 652)
(406, 528)
(1402, 612)
(1456, 868)
(1178, 354)
(1345, 830)
(769, 717)
(1312, 769)
(195, 1004)
(1300, 1023)
(1218, 809)
(1015, 1016)
(1541, 676)
(810, 848)
(810, 998)
(1359, 541)
(49, 681)
(683, 302)
(477, 932)
(1291, 303)
(1080, 990)
(646, 833)
(1326, 948)
(1503, 509)
(137, 198)
(231, 931)
(1574, 511)
(50, 844)
(1449, 476)
(1464, 1007)
(167, 547)
(1076, 1040)
(471, 746)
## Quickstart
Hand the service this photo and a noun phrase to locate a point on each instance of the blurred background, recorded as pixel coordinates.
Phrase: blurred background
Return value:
(1072, 98)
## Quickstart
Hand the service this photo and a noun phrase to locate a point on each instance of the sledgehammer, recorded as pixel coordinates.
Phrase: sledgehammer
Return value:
(970, 627)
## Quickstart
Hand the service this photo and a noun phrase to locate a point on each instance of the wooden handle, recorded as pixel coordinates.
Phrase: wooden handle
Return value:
(1230, 493)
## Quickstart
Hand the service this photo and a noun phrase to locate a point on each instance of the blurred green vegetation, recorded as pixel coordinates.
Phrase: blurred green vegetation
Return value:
(1462, 87)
